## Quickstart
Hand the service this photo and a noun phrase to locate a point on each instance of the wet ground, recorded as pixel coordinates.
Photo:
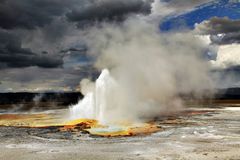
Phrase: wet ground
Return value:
(201, 133)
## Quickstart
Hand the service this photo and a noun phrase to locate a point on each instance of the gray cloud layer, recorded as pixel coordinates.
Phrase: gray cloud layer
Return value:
(228, 38)
(186, 3)
(218, 25)
(12, 54)
(222, 30)
(107, 10)
(30, 14)
(29, 28)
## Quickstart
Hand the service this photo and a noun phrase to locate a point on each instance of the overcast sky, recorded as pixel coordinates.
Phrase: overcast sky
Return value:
(41, 44)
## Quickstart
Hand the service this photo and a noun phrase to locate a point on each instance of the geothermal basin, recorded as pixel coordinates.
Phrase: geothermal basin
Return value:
(198, 132)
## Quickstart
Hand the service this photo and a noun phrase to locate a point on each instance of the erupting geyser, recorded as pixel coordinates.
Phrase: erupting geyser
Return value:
(149, 70)
(95, 103)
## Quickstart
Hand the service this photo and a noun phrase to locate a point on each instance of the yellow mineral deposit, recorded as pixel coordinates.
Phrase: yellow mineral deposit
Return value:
(89, 125)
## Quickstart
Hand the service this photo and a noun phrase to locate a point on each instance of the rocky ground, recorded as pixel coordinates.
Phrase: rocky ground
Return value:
(214, 134)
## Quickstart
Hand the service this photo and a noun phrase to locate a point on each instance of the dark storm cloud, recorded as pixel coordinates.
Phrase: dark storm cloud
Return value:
(228, 38)
(12, 54)
(17, 18)
(30, 13)
(185, 3)
(222, 30)
(108, 10)
(218, 25)
(45, 26)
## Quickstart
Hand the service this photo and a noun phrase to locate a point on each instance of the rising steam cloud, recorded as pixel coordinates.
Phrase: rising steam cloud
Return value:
(149, 68)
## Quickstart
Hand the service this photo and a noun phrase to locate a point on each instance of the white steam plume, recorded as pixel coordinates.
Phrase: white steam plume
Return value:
(149, 68)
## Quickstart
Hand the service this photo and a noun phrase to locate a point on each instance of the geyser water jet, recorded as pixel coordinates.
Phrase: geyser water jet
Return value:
(95, 103)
